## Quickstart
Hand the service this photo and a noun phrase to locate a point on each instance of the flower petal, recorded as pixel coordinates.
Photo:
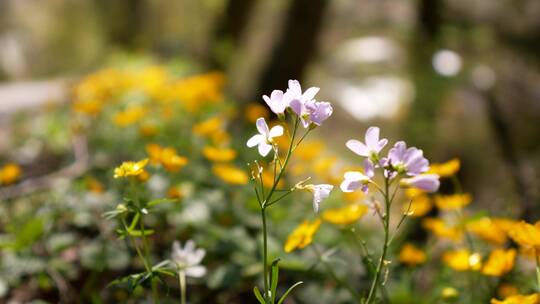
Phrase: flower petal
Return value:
(262, 126)
(195, 271)
(255, 140)
(357, 147)
(310, 93)
(276, 131)
(372, 138)
(264, 148)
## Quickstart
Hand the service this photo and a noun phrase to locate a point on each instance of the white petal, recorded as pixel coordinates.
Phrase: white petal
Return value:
(255, 140)
(349, 185)
(355, 176)
(264, 148)
(195, 271)
(372, 138)
(310, 93)
(276, 131)
(357, 147)
(262, 126)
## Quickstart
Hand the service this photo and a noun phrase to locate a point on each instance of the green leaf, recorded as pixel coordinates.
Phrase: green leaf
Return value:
(140, 232)
(274, 279)
(288, 291)
(258, 295)
(158, 201)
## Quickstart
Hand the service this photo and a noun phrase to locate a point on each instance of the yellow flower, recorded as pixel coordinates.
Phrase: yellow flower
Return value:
(254, 111)
(219, 154)
(310, 150)
(345, 215)
(519, 299)
(88, 107)
(130, 168)
(488, 230)
(148, 130)
(526, 235)
(268, 178)
(302, 235)
(175, 192)
(449, 293)
(94, 185)
(505, 290)
(446, 169)
(167, 157)
(230, 174)
(129, 116)
(209, 126)
(462, 260)
(411, 255)
(500, 262)
(220, 137)
(420, 205)
(439, 228)
(9, 174)
(452, 202)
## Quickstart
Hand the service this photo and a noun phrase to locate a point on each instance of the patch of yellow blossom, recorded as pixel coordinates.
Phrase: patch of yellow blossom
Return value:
(218, 154)
(196, 91)
(302, 235)
(505, 290)
(499, 262)
(442, 230)
(445, 169)
(9, 173)
(462, 260)
(174, 192)
(208, 126)
(130, 168)
(411, 255)
(519, 299)
(166, 156)
(488, 230)
(420, 203)
(452, 201)
(129, 116)
(254, 110)
(346, 215)
(526, 235)
(449, 293)
(309, 150)
(230, 174)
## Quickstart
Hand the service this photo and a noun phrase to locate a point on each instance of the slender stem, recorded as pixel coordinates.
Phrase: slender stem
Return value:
(134, 244)
(265, 255)
(537, 267)
(182, 283)
(386, 219)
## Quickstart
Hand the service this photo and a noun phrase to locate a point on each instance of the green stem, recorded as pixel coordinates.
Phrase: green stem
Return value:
(265, 255)
(386, 223)
(182, 283)
(537, 267)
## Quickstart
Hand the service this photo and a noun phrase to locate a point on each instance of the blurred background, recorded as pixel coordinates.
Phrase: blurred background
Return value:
(459, 78)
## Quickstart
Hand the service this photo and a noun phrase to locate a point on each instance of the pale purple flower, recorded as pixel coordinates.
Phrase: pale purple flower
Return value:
(426, 182)
(277, 103)
(372, 146)
(187, 259)
(294, 92)
(320, 192)
(264, 139)
(354, 180)
(311, 111)
(410, 161)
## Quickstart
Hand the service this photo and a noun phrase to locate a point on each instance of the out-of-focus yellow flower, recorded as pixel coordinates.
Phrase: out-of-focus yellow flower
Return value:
(94, 185)
(196, 91)
(519, 299)
(174, 192)
(420, 205)
(462, 260)
(167, 157)
(411, 255)
(323, 167)
(267, 176)
(218, 154)
(88, 107)
(230, 174)
(453, 201)
(353, 197)
(505, 290)
(209, 126)
(446, 169)
(129, 116)
(500, 262)
(220, 137)
(488, 230)
(448, 293)
(309, 150)
(302, 235)
(440, 229)
(148, 130)
(526, 235)
(254, 110)
(130, 168)
(346, 215)
(9, 173)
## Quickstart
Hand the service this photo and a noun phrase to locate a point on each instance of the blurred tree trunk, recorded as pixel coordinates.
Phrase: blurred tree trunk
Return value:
(296, 47)
(228, 32)
(122, 21)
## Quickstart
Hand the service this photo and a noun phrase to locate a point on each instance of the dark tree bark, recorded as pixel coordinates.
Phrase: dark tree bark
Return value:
(297, 45)
(229, 30)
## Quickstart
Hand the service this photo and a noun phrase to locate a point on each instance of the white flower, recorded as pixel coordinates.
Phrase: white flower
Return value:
(371, 147)
(187, 259)
(320, 192)
(294, 92)
(265, 137)
(276, 102)
(354, 180)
